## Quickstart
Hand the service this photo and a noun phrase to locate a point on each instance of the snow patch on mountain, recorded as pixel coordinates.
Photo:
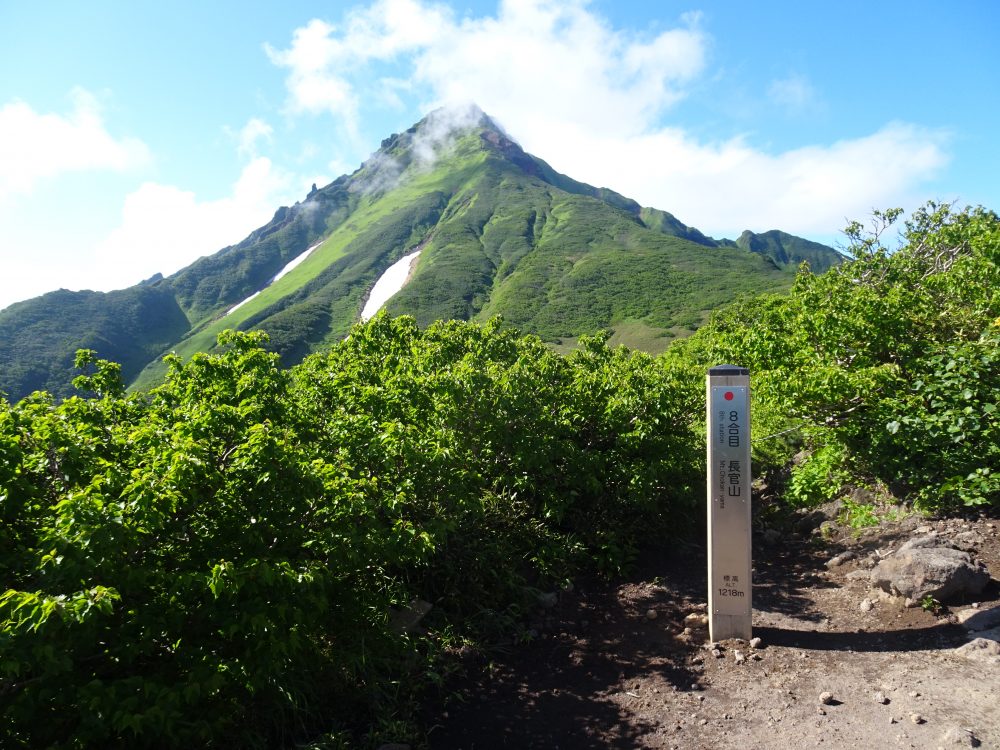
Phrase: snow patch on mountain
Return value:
(283, 272)
(394, 278)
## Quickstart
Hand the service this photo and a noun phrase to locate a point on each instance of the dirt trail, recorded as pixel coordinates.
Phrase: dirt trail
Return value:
(602, 674)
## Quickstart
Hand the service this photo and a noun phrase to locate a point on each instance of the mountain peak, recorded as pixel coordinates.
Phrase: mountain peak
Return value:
(423, 144)
(462, 116)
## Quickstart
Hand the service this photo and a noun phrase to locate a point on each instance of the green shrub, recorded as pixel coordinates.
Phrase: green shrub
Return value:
(885, 366)
(819, 478)
(216, 562)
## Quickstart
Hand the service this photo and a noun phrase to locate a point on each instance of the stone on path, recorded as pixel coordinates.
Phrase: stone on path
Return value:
(959, 737)
(991, 635)
(838, 560)
(408, 619)
(923, 567)
(979, 619)
(696, 620)
(981, 649)
(548, 599)
(968, 540)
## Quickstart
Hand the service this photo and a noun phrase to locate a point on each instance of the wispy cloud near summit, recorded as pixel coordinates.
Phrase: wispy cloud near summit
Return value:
(535, 54)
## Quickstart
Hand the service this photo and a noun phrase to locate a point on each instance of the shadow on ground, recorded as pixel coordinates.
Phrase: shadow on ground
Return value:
(910, 639)
(565, 687)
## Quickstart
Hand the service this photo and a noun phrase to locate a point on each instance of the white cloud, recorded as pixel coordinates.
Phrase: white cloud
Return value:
(161, 229)
(165, 228)
(254, 131)
(35, 147)
(323, 58)
(595, 101)
(313, 88)
(561, 64)
(439, 131)
(724, 188)
(794, 93)
(21, 280)
(536, 54)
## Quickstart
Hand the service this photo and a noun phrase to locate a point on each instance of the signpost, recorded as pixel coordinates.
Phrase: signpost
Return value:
(729, 577)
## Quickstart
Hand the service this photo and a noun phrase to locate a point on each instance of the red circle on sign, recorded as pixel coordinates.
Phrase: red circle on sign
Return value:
(729, 395)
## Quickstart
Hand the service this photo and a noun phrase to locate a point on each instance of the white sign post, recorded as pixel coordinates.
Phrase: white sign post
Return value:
(729, 581)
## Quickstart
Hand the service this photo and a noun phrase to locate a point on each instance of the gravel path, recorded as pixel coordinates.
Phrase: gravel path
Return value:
(626, 665)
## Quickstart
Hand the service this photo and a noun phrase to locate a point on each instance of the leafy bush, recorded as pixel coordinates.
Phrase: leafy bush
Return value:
(176, 584)
(216, 562)
(941, 435)
(819, 477)
(887, 362)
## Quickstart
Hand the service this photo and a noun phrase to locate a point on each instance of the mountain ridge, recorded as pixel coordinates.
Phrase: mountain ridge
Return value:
(501, 232)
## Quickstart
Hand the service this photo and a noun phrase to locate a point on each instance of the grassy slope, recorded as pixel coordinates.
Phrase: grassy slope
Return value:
(39, 337)
(788, 250)
(560, 264)
(202, 339)
(319, 300)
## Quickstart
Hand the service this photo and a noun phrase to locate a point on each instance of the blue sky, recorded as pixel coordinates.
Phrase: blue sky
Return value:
(136, 137)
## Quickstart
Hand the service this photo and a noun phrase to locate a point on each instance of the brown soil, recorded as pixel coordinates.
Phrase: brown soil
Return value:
(601, 674)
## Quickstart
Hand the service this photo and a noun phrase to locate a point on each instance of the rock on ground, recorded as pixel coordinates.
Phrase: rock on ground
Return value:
(923, 567)
(981, 649)
(979, 619)
(959, 737)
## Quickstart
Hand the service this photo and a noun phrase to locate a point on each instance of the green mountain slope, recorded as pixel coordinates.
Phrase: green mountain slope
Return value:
(788, 250)
(39, 337)
(500, 232)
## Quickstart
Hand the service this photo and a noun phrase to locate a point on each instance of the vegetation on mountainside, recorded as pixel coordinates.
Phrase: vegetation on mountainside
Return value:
(557, 264)
(39, 337)
(788, 251)
(234, 273)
